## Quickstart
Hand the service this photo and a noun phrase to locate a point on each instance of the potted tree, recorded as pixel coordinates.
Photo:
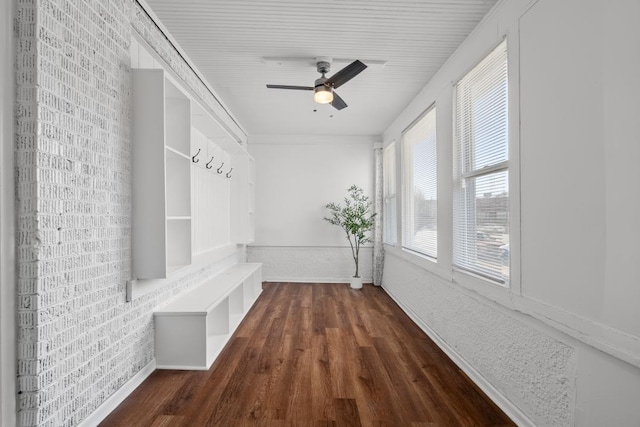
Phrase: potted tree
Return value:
(356, 219)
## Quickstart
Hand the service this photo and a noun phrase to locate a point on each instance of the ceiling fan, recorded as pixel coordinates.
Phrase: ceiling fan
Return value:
(323, 89)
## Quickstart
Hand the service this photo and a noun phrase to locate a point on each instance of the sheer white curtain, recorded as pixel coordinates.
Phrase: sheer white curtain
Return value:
(378, 247)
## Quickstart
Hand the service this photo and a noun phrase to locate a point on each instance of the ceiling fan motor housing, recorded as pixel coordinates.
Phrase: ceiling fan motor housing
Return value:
(320, 81)
(323, 66)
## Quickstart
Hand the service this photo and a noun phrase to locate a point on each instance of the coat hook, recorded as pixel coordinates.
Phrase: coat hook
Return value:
(196, 155)
(228, 175)
(209, 162)
(219, 170)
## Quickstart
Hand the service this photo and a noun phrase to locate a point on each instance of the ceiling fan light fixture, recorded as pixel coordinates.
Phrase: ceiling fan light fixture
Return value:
(323, 88)
(323, 94)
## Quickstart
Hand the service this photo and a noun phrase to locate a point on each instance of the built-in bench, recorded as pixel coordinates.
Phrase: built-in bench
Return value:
(191, 331)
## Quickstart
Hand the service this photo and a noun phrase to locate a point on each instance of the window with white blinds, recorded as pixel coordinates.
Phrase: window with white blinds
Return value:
(420, 202)
(481, 175)
(389, 192)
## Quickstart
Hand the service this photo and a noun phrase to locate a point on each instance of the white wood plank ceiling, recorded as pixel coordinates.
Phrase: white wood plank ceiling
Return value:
(228, 40)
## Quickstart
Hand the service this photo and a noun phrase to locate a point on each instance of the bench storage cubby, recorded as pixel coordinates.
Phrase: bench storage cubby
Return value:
(191, 331)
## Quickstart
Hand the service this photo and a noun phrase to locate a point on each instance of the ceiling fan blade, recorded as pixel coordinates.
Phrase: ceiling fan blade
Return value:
(338, 103)
(346, 74)
(290, 87)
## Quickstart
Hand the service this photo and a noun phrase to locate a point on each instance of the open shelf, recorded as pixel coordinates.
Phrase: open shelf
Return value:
(177, 179)
(179, 235)
(236, 301)
(178, 119)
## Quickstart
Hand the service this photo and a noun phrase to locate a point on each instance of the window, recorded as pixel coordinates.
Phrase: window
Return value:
(481, 175)
(419, 225)
(389, 178)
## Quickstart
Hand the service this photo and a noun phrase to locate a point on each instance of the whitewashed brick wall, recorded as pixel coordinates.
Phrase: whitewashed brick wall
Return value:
(78, 339)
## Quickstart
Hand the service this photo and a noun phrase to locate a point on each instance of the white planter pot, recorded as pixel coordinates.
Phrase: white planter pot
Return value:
(356, 282)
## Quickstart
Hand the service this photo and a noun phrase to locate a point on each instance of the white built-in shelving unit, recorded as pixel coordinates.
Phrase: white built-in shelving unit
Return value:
(192, 205)
(193, 183)
(161, 176)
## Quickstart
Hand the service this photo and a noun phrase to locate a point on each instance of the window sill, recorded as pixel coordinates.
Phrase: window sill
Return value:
(422, 261)
(488, 288)
(467, 280)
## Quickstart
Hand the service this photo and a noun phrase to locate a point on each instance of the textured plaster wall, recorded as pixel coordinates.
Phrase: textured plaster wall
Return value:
(535, 370)
(311, 264)
(78, 339)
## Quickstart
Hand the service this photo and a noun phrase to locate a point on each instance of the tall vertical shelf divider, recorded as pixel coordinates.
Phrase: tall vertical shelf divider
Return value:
(162, 225)
(243, 199)
(251, 198)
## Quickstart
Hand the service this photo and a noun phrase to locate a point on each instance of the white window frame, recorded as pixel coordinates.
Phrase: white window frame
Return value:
(463, 177)
(408, 187)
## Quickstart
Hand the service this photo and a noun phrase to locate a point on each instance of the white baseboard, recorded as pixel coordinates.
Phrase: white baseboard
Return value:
(314, 279)
(512, 411)
(116, 398)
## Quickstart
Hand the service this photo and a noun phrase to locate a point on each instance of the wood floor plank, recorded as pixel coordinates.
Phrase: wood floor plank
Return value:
(374, 388)
(316, 355)
(360, 332)
(268, 358)
(223, 409)
(148, 401)
(253, 406)
(282, 376)
(220, 374)
(317, 310)
(299, 325)
(321, 390)
(307, 296)
(402, 384)
(347, 413)
(434, 398)
(299, 409)
(344, 359)
(329, 311)
(169, 421)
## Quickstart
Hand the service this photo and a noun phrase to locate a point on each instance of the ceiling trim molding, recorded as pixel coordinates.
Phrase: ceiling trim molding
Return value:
(314, 139)
(165, 32)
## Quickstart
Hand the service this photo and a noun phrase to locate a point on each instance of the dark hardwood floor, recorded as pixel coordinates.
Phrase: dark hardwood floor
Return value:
(316, 355)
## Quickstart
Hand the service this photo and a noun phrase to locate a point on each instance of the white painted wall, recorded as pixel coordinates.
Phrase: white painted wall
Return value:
(296, 176)
(585, 242)
(561, 346)
(7, 218)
